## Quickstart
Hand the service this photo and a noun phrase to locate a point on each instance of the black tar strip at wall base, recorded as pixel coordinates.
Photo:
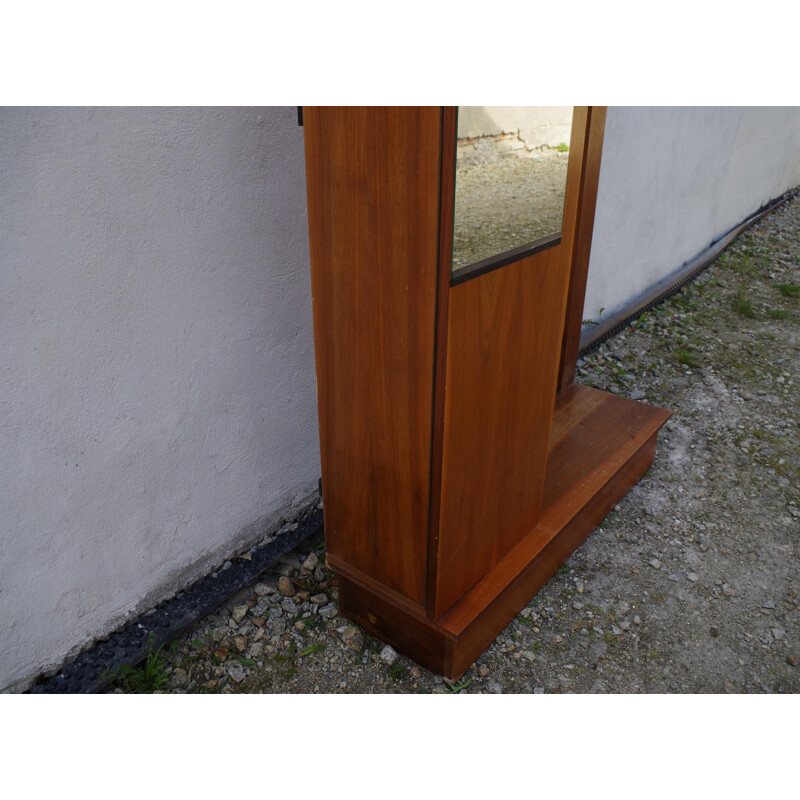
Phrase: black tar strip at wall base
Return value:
(94, 669)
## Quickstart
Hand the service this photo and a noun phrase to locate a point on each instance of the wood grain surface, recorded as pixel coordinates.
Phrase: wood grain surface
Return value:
(503, 350)
(373, 211)
(579, 268)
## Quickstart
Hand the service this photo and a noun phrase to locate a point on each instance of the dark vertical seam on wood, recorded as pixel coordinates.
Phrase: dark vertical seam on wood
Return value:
(447, 128)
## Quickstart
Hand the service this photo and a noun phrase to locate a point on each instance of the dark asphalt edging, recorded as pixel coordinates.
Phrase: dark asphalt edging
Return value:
(95, 668)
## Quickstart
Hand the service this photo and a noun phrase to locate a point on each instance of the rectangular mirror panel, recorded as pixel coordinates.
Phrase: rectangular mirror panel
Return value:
(511, 173)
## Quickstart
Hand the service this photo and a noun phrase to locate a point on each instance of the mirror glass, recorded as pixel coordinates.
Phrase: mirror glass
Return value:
(511, 174)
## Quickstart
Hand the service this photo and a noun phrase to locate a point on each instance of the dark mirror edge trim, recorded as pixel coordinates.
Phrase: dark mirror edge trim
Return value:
(463, 274)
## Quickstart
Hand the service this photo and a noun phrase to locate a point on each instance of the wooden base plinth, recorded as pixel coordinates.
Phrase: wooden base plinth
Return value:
(600, 446)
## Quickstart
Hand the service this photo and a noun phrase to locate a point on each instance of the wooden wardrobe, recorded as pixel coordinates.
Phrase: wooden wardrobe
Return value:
(461, 465)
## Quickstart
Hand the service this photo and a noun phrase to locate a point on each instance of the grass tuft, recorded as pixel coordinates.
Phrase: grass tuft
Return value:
(743, 308)
(779, 313)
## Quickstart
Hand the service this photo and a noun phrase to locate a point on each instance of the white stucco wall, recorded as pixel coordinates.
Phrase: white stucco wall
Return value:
(157, 368)
(674, 179)
(537, 125)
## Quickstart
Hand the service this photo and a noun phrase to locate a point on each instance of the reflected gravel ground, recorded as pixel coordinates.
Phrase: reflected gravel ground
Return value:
(507, 203)
(690, 585)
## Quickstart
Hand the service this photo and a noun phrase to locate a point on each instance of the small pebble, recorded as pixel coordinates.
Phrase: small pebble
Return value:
(310, 564)
(286, 586)
(329, 611)
(353, 638)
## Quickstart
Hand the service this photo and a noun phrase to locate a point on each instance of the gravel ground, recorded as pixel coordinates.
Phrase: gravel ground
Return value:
(506, 203)
(691, 585)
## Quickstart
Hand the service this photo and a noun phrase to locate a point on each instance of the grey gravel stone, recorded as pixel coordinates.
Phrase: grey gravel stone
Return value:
(353, 637)
(310, 564)
(289, 606)
(236, 671)
(329, 611)
(240, 612)
(388, 655)
(256, 650)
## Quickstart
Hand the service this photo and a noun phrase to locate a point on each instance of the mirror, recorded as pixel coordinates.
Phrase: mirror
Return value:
(511, 176)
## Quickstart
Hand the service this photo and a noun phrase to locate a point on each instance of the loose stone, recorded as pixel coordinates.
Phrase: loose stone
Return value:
(388, 654)
(218, 634)
(310, 564)
(286, 586)
(240, 612)
(329, 611)
(353, 638)
(257, 650)
(289, 606)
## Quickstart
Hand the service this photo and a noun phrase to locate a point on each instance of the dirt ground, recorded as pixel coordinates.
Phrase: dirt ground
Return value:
(690, 586)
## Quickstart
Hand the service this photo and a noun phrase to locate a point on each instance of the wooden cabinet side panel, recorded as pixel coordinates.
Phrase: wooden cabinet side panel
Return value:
(503, 351)
(505, 330)
(373, 191)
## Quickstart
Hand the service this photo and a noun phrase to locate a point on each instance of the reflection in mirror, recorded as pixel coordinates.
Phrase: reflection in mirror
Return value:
(511, 175)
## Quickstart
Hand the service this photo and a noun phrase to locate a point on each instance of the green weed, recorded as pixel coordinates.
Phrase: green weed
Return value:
(779, 313)
(150, 677)
(455, 688)
(789, 289)
(744, 308)
(687, 356)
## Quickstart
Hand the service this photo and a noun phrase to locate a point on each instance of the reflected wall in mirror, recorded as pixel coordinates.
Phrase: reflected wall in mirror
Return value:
(511, 174)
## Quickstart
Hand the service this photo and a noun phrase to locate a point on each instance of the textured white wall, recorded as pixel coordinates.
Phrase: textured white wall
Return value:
(157, 368)
(674, 179)
(537, 125)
